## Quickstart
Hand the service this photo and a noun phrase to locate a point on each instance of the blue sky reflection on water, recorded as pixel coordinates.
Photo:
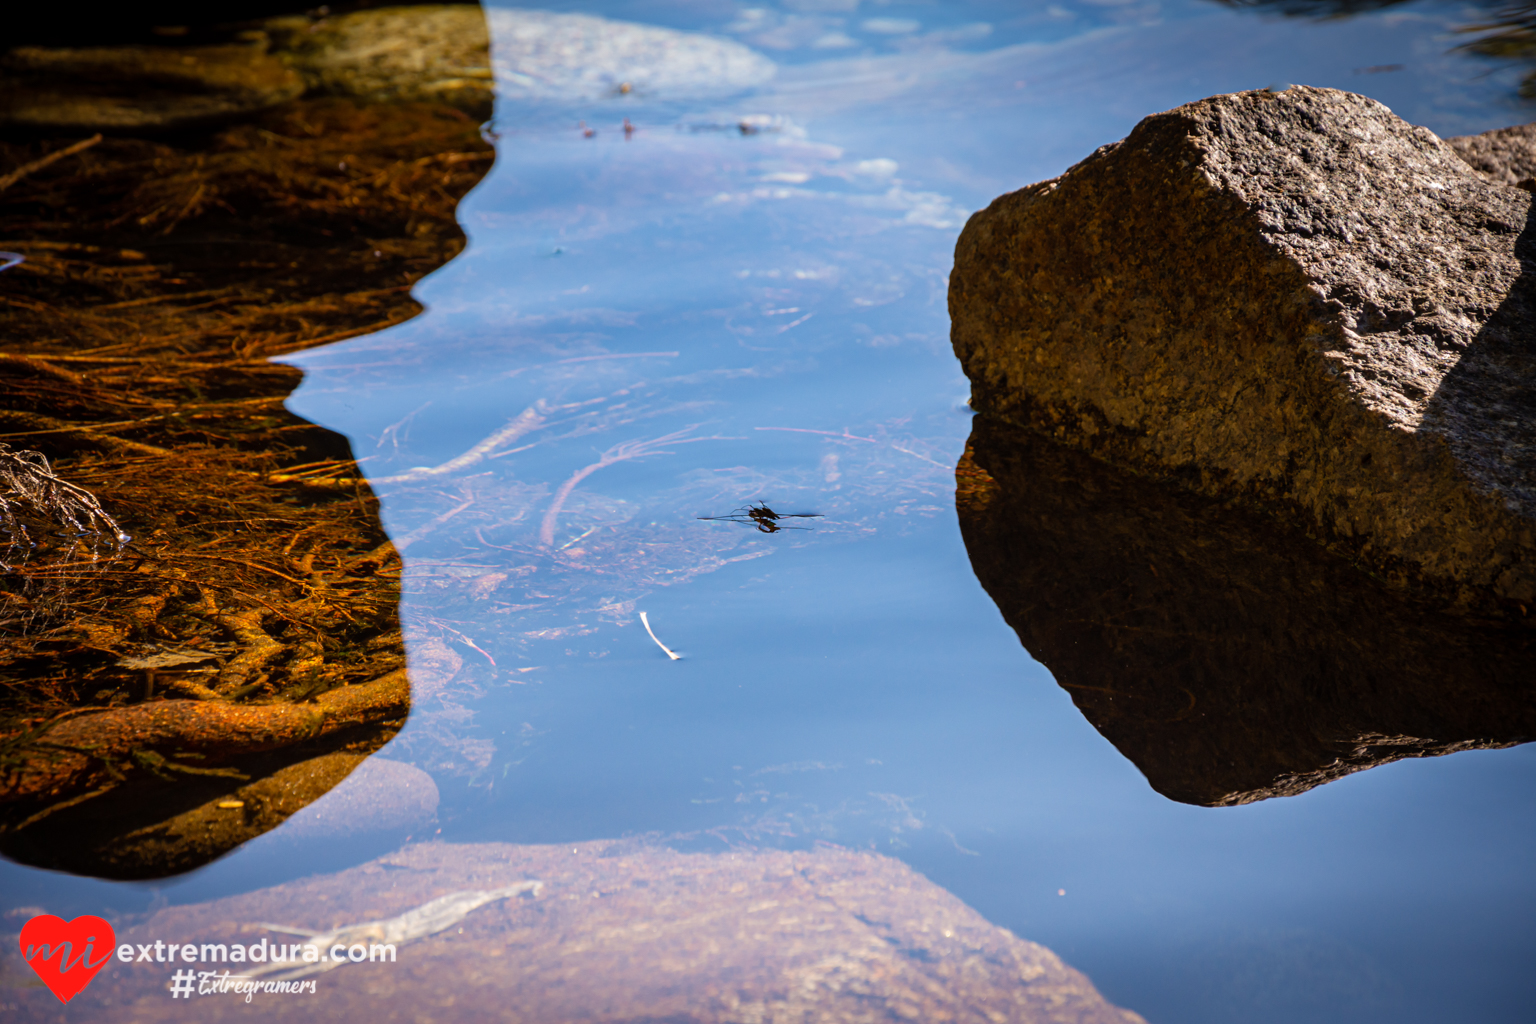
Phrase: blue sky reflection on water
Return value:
(782, 293)
(854, 683)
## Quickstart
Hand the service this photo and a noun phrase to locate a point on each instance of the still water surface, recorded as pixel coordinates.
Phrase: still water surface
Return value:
(743, 300)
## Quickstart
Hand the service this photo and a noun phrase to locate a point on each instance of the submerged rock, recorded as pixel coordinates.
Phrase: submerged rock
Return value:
(541, 55)
(1228, 657)
(434, 53)
(134, 88)
(1294, 300)
(285, 220)
(627, 932)
(380, 797)
(1506, 156)
(74, 754)
(444, 53)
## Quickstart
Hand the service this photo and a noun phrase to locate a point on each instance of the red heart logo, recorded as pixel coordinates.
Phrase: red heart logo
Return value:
(63, 953)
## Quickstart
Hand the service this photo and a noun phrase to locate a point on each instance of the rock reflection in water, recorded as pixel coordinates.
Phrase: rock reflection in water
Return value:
(1230, 660)
(620, 931)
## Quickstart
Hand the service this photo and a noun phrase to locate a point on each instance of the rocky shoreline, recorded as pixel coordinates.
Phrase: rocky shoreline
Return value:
(1254, 470)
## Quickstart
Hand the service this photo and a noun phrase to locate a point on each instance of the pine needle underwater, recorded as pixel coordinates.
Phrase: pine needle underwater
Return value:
(154, 497)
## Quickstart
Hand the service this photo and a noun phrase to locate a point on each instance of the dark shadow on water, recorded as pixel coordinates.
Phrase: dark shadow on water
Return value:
(1229, 660)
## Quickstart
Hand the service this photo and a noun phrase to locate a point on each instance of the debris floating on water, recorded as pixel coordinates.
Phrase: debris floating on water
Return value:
(647, 623)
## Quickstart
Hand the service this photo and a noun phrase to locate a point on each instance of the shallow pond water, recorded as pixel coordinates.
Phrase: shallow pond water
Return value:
(742, 300)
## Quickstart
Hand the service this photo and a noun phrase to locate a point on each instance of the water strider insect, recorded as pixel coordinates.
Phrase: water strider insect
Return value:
(763, 517)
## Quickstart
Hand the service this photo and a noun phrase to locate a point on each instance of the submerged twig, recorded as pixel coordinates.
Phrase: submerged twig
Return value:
(533, 418)
(6, 181)
(618, 453)
(644, 621)
(525, 422)
(846, 436)
(428, 919)
(406, 540)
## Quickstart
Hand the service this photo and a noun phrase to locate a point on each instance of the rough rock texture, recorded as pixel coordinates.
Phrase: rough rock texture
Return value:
(1292, 299)
(1229, 658)
(1506, 156)
(432, 53)
(622, 932)
(132, 88)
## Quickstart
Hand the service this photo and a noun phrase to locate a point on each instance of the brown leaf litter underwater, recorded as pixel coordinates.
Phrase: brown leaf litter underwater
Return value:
(157, 277)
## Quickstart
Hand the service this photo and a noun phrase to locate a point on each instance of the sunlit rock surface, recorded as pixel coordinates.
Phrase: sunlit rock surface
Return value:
(1295, 300)
(1506, 156)
(623, 931)
(1226, 655)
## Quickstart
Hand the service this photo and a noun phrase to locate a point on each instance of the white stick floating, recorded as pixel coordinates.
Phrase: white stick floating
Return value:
(647, 623)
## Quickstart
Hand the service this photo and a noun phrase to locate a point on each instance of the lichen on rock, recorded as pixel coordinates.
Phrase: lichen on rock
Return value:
(1295, 300)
